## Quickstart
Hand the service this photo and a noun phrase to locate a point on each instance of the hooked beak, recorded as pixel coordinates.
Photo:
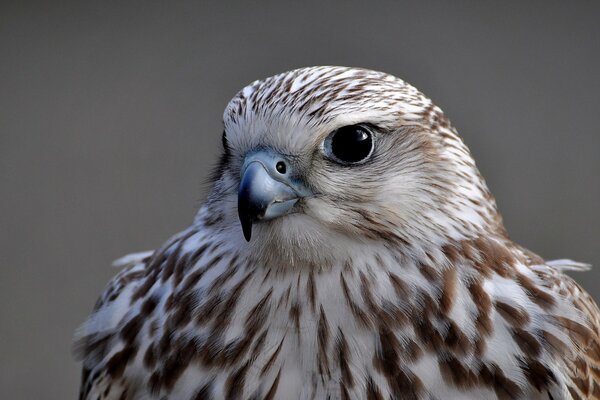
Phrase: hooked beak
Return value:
(267, 189)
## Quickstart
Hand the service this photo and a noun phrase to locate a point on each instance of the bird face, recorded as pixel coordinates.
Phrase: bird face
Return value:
(319, 154)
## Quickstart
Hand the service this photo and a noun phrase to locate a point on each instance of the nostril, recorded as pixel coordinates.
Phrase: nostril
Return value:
(280, 167)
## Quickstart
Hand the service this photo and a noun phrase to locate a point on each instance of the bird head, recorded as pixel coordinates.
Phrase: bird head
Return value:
(321, 155)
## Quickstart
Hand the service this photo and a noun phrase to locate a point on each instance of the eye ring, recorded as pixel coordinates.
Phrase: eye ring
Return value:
(350, 144)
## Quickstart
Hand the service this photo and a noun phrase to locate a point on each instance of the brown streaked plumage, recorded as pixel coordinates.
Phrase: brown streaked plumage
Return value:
(377, 267)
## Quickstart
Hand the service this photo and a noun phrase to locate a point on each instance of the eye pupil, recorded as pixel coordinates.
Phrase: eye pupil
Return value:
(351, 144)
(280, 167)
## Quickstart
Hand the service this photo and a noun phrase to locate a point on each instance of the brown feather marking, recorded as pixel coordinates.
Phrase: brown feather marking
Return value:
(181, 267)
(227, 307)
(452, 254)
(182, 314)
(411, 351)
(387, 361)
(207, 309)
(483, 303)
(469, 251)
(528, 343)
(323, 343)
(574, 394)
(198, 253)
(456, 340)
(514, 315)
(210, 350)
(148, 306)
(269, 364)
(430, 273)
(402, 290)
(234, 385)
(392, 315)
(344, 391)
(311, 289)
(583, 384)
(493, 256)
(169, 265)
(596, 390)
(183, 351)
(194, 277)
(117, 363)
(150, 357)
(236, 349)
(258, 315)
(456, 373)
(258, 345)
(145, 286)
(295, 312)
(583, 335)
(372, 390)
(204, 392)
(343, 356)
(285, 297)
(449, 288)
(554, 345)
(428, 335)
(220, 280)
(408, 384)
(131, 329)
(367, 294)
(535, 294)
(492, 376)
(359, 315)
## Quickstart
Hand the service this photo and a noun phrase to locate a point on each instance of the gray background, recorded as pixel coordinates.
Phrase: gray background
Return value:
(110, 116)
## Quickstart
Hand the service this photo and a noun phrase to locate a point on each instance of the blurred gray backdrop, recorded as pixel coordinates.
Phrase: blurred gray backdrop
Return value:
(110, 118)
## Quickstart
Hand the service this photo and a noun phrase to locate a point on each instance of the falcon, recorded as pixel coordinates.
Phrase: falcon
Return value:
(349, 249)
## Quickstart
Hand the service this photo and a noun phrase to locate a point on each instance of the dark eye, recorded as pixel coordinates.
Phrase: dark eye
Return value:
(349, 145)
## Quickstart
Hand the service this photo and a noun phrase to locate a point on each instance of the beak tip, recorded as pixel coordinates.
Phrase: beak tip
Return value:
(247, 230)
